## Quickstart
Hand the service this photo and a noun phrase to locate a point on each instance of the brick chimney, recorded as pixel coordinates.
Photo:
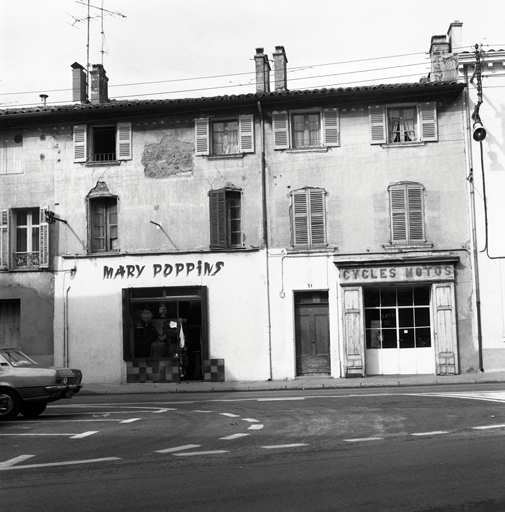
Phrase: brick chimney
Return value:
(455, 35)
(444, 65)
(79, 89)
(99, 88)
(280, 61)
(262, 71)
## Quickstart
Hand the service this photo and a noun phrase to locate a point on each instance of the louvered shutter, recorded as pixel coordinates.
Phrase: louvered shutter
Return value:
(246, 134)
(80, 143)
(43, 239)
(280, 125)
(415, 214)
(398, 214)
(4, 239)
(202, 138)
(331, 128)
(378, 125)
(300, 213)
(124, 141)
(428, 117)
(317, 217)
(217, 203)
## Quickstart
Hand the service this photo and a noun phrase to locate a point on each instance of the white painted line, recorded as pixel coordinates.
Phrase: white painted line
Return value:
(202, 411)
(486, 427)
(163, 410)
(250, 420)
(357, 440)
(255, 427)
(295, 445)
(37, 434)
(43, 420)
(179, 448)
(191, 454)
(280, 399)
(85, 434)
(434, 433)
(229, 414)
(233, 436)
(67, 463)
(131, 420)
(15, 460)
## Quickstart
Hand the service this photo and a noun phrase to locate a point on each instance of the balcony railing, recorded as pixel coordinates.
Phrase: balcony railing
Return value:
(103, 157)
(27, 259)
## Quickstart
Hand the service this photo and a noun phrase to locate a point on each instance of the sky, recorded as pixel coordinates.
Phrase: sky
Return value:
(166, 49)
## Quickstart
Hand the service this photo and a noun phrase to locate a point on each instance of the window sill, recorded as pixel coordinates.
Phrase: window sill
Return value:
(407, 247)
(403, 145)
(311, 250)
(103, 164)
(308, 150)
(226, 157)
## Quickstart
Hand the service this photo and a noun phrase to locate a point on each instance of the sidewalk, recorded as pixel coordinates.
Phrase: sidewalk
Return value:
(316, 382)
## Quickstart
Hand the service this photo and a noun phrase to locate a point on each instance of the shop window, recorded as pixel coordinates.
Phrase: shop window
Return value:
(225, 219)
(407, 213)
(10, 323)
(308, 217)
(222, 137)
(24, 239)
(306, 130)
(103, 222)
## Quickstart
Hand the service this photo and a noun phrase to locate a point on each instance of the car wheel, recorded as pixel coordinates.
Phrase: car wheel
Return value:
(10, 404)
(33, 410)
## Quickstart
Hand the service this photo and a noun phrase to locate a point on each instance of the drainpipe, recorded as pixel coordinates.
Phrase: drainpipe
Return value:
(265, 236)
(65, 329)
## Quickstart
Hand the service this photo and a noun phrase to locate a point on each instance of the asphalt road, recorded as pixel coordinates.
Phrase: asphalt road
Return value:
(424, 449)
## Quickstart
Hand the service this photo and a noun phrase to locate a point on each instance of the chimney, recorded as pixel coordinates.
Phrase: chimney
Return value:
(443, 64)
(99, 92)
(79, 92)
(262, 71)
(455, 35)
(280, 61)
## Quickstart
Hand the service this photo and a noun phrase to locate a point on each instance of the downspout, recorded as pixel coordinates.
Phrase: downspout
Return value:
(265, 236)
(65, 329)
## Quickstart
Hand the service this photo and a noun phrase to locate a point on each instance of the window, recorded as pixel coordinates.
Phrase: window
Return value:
(11, 152)
(24, 237)
(308, 217)
(225, 218)
(407, 213)
(103, 224)
(107, 143)
(402, 124)
(224, 136)
(10, 323)
(306, 130)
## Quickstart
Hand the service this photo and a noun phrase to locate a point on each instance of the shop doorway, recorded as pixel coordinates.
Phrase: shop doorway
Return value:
(312, 333)
(398, 331)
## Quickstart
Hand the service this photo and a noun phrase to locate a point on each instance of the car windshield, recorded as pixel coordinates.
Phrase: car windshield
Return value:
(16, 357)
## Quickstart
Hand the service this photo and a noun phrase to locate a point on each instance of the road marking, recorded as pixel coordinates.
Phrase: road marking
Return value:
(163, 410)
(359, 439)
(131, 420)
(233, 436)
(255, 427)
(229, 414)
(250, 420)
(485, 427)
(38, 434)
(179, 448)
(66, 463)
(15, 460)
(434, 433)
(294, 445)
(281, 399)
(190, 454)
(85, 434)
(202, 411)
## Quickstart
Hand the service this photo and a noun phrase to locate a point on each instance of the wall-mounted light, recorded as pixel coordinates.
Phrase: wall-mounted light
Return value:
(479, 132)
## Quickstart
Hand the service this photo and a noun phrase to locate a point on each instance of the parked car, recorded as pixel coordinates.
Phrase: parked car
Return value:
(27, 387)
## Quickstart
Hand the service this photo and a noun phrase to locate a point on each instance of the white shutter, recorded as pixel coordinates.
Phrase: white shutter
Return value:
(280, 124)
(202, 139)
(378, 124)
(246, 134)
(4, 238)
(415, 214)
(446, 343)
(43, 239)
(331, 128)
(354, 339)
(317, 217)
(428, 117)
(124, 141)
(398, 214)
(80, 143)
(300, 218)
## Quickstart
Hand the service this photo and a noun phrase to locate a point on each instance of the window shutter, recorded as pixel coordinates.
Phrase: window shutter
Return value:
(124, 141)
(331, 128)
(415, 214)
(317, 217)
(43, 239)
(378, 131)
(217, 203)
(300, 213)
(398, 214)
(202, 142)
(280, 125)
(4, 239)
(80, 143)
(246, 134)
(428, 116)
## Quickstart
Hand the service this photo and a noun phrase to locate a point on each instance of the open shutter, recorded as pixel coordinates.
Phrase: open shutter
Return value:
(43, 239)
(124, 141)
(378, 125)
(398, 214)
(202, 136)
(331, 128)
(317, 217)
(280, 124)
(4, 239)
(246, 134)
(446, 345)
(300, 212)
(217, 203)
(354, 340)
(80, 143)
(415, 214)
(428, 116)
